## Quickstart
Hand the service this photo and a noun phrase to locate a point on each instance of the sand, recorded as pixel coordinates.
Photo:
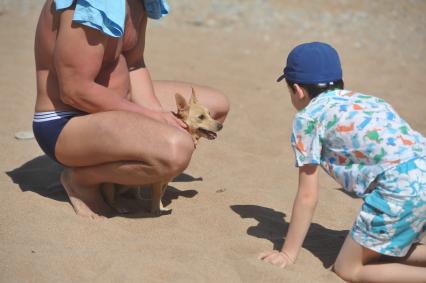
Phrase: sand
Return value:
(235, 198)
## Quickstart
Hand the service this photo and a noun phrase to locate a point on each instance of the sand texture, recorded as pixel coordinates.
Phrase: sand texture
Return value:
(234, 200)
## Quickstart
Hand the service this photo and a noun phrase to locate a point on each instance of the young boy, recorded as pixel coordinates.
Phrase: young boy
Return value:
(362, 143)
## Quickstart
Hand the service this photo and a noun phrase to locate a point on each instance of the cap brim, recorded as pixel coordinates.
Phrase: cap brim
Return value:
(280, 78)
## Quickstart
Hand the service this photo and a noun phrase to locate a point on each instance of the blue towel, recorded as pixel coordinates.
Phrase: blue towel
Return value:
(156, 8)
(108, 16)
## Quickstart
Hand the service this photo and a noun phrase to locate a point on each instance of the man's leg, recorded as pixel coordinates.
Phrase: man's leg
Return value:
(358, 264)
(213, 100)
(117, 147)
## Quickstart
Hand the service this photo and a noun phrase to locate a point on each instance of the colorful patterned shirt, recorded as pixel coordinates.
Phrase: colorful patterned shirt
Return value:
(354, 137)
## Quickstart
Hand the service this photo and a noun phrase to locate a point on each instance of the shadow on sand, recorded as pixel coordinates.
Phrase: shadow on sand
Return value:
(41, 175)
(322, 242)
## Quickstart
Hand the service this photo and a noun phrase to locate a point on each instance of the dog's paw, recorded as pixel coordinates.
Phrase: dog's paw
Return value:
(122, 209)
(160, 210)
(156, 212)
(165, 210)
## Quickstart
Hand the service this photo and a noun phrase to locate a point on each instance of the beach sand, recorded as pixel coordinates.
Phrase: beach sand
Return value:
(234, 200)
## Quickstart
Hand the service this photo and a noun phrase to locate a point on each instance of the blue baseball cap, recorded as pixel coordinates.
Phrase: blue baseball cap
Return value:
(312, 63)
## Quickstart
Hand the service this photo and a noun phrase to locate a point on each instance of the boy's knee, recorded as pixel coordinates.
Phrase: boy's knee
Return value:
(347, 273)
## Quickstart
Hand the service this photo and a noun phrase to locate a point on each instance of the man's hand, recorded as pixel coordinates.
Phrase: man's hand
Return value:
(170, 119)
(281, 259)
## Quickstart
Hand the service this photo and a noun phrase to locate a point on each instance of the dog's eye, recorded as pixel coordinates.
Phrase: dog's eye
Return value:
(201, 117)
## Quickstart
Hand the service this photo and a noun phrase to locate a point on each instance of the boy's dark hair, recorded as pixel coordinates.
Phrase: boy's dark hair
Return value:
(315, 89)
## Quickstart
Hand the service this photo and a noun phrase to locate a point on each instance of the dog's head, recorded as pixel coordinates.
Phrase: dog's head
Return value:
(196, 117)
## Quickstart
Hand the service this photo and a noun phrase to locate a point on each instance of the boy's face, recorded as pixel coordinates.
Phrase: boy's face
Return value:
(299, 97)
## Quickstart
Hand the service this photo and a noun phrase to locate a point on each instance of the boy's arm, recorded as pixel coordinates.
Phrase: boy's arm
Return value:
(301, 217)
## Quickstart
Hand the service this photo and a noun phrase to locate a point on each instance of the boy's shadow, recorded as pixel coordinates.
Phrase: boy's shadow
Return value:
(42, 176)
(322, 242)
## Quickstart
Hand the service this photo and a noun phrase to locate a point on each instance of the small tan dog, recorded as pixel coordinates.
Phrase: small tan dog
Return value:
(200, 124)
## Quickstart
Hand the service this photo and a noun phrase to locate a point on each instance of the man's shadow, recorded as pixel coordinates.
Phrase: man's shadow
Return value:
(322, 242)
(41, 175)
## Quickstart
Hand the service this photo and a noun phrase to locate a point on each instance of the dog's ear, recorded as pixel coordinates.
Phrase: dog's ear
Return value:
(194, 98)
(180, 102)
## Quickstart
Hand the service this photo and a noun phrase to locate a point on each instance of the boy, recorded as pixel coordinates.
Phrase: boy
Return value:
(362, 143)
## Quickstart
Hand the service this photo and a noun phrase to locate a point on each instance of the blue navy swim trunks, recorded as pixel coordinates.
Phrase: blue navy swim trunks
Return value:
(48, 125)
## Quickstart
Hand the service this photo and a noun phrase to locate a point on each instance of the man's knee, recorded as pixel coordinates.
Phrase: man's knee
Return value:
(222, 106)
(177, 154)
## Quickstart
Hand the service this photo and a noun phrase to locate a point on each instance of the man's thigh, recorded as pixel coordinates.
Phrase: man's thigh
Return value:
(112, 136)
(213, 99)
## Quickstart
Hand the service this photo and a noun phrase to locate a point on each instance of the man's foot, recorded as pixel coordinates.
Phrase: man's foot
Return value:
(86, 201)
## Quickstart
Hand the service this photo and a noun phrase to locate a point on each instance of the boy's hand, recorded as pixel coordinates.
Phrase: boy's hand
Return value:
(281, 259)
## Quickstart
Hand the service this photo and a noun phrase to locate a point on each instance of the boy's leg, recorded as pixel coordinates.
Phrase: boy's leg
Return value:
(391, 220)
(416, 256)
(213, 100)
(356, 263)
(117, 147)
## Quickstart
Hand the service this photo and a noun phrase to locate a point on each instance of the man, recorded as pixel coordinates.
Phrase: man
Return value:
(98, 112)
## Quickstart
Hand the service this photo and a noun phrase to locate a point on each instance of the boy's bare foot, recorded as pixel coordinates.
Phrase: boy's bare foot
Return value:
(86, 201)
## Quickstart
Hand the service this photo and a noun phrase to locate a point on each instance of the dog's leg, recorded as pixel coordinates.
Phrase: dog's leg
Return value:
(156, 198)
(111, 195)
(164, 186)
(108, 192)
(158, 190)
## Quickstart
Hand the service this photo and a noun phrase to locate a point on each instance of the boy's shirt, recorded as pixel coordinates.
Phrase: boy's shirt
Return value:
(354, 137)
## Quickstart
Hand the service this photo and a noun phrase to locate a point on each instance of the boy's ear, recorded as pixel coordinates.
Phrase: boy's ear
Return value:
(180, 102)
(194, 98)
(300, 92)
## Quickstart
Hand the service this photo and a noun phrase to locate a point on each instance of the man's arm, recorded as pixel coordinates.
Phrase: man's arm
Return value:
(142, 90)
(78, 58)
(303, 210)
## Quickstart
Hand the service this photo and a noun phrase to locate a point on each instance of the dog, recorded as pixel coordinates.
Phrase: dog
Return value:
(199, 123)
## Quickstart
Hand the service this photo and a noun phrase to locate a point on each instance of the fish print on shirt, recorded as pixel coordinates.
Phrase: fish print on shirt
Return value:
(354, 137)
